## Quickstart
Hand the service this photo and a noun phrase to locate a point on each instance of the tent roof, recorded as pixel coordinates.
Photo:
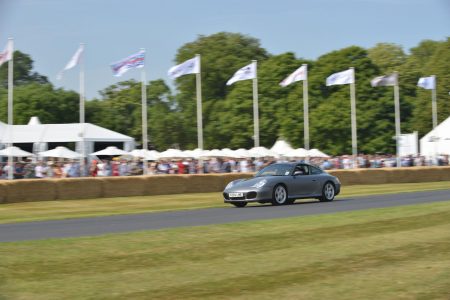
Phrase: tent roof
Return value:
(281, 147)
(441, 131)
(48, 133)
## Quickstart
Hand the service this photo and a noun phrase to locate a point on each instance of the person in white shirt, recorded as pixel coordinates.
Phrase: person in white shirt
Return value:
(40, 170)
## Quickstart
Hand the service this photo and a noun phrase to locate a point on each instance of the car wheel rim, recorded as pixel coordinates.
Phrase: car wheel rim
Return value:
(280, 195)
(329, 191)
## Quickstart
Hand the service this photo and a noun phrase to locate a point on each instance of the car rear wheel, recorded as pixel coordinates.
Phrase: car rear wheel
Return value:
(239, 204)
(328, 192)
(280, 195)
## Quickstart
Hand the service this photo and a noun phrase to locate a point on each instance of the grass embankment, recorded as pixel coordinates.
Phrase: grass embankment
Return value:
(53, 210)
(389, 253)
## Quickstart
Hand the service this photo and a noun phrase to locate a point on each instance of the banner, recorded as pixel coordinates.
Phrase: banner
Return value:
(7, 53)
(299, 74)
(428, 83)
(191, 66)
(131, 62)
(387, 80)
(75, 60)
(244, 73)
(344, 77)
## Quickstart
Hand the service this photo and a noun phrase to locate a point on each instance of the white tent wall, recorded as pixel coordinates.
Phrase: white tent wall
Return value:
(437, 141)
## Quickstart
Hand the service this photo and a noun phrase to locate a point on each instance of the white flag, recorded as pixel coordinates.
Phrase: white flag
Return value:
(344, 77)
(387, 80)
(299, 74)
(247, 72)
(190, 66)
(73, 62)
(428, 83)
(7, 53)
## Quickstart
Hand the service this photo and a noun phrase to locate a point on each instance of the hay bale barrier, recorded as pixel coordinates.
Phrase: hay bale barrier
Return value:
(87, 188)
(78, 188)
(27, 190)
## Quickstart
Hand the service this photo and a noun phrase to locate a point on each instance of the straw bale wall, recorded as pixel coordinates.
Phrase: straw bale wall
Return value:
(88, 188)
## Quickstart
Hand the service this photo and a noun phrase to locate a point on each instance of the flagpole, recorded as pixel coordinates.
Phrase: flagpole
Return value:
(10, 108)
(144, 119)
(198, 78)
(82, 114)
(397, 119)
(353, 119)
(198, 82)
(306, 111)
(433, 102)
(255, 106)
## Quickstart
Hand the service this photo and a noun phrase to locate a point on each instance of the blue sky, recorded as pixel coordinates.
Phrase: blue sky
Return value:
(51, 30)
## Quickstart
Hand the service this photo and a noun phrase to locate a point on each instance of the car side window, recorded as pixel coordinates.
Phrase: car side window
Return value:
(316, 171)
(301, 170)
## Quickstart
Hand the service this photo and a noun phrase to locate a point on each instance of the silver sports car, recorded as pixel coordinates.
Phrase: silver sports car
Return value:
(283, 183)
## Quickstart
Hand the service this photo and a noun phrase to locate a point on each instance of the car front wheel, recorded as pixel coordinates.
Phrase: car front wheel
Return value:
(328, 192)
(280, 195)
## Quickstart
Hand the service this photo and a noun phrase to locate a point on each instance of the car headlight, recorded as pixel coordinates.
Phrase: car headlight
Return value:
(260, 184)
(229, 185)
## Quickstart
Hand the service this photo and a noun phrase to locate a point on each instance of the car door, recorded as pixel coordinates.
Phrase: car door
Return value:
(316, 180)
(301, 180)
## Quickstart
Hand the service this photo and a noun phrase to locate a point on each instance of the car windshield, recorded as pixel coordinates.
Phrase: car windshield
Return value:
(275, 170)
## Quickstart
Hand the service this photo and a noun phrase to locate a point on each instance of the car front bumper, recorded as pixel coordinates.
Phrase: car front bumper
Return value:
(254, 195)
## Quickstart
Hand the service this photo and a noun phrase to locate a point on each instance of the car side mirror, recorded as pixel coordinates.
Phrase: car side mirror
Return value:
(298, 173)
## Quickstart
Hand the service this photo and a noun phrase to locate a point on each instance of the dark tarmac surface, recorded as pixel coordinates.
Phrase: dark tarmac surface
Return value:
(151, 221)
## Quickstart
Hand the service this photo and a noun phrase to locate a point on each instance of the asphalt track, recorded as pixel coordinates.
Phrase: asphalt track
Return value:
(151, 221)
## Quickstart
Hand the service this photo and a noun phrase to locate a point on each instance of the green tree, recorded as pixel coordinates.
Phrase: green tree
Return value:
(120, 110)
(222, 54)
(388, 57)
(41, 100)
(22, 72)
(330, 112)
(438, 64)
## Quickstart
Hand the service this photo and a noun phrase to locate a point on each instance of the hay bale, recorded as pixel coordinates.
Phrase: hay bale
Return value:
(164, 184)
(2, 193)
(346, 177)
(123, 186)
(203, 183)
(28, 190)
(78, 188)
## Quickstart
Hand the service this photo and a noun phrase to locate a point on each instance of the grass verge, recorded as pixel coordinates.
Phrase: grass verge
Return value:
(54, 210)
(389, 253)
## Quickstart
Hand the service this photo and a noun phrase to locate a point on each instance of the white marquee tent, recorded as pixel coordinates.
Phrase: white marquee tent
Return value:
(437, 141)
(61, 133)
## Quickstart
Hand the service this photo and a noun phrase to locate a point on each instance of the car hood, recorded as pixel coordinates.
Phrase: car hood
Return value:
(248, 182)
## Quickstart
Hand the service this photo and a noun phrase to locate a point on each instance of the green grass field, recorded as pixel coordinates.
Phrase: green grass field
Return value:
(390, 253)
(51, 210)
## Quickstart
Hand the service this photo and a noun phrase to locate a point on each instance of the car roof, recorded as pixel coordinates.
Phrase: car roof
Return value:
(292, 163)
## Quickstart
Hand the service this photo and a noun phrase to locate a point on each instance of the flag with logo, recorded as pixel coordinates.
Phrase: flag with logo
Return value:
(387, 80)
(244, 73)
(190, 66)
(75, 60)
(344, 77)
(131, 62)
(428, 83)
(6, 54)
(299, 74)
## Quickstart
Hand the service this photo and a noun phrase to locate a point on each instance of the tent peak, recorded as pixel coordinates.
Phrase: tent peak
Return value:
(34, 121)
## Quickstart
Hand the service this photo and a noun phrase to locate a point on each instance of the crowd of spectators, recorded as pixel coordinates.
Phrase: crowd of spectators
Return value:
(124, 167)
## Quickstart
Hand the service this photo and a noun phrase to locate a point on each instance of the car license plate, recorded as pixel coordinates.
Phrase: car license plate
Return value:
(235, 195)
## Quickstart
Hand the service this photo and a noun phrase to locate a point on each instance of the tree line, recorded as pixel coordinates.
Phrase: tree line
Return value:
(227, 110)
